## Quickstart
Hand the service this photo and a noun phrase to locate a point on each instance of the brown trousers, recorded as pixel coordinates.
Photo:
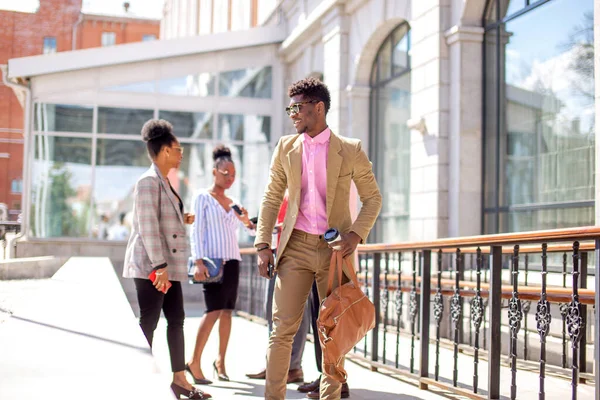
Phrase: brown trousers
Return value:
(306, 258)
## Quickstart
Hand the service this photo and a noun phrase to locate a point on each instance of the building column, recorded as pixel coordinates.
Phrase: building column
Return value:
(465, 136)
(335, 67)
(429, 102)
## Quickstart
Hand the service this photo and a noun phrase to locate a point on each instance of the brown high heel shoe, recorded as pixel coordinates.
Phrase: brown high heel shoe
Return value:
(190, 394)
(221, 377)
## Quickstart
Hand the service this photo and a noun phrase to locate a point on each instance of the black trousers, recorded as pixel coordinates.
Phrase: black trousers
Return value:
(314, 308)
(151, 302)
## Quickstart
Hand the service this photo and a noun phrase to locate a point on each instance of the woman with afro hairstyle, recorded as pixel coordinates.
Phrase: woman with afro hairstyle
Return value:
(214, 235)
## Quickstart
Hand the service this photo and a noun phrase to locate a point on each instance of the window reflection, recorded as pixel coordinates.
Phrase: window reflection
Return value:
(390, 136)
(188, 124)
(199, 85)
(122, 120)
(250, 82)
(247, 128)
(119, 164)
(136, 87)
(63, 118)
(547, 128)
(61, 186)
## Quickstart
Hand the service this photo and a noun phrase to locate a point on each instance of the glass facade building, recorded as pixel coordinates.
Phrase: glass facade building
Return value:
(87, 158)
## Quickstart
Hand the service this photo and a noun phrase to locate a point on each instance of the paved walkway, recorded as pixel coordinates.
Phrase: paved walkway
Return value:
(247, 354)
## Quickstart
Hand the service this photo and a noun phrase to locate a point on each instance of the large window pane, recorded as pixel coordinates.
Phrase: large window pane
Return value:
(390, 137)
(187, 124)
(119, 164)
(384, 60)
(63, 118)
(122, 120)
(392, 164)
(61, 185)
(249, 82)
(136, 87)
(546, 116)
(247, 128)
(491, 119)
(400, 55)
(199, 85)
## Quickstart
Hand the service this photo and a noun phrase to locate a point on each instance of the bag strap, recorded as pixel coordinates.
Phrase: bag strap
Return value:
(335, 265)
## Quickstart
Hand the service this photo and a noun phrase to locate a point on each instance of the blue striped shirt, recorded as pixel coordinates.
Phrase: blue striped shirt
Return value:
(214, 232)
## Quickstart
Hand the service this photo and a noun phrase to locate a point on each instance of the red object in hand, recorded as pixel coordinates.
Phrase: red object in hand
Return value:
(152, 278)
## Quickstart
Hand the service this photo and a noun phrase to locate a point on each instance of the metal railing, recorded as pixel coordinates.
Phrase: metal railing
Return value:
(7, 227)
(474, 296)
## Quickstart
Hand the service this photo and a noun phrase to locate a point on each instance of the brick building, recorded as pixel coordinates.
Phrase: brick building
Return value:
(57, 25)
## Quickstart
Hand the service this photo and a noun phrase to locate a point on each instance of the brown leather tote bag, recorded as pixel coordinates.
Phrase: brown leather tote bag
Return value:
(345, 317)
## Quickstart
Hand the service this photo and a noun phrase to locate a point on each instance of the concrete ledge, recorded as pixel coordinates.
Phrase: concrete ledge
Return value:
(30, 268)
(77, 338)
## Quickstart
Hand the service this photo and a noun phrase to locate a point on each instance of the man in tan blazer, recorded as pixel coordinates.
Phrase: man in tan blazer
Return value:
(317, 167)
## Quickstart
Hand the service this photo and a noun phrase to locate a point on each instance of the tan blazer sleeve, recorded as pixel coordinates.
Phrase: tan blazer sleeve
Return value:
(369, 194)
(272, 198)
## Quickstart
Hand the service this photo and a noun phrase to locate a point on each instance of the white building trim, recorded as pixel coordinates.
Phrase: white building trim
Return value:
(142, 51)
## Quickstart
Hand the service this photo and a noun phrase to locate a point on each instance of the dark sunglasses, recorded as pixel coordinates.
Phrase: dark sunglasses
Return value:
(295, 108)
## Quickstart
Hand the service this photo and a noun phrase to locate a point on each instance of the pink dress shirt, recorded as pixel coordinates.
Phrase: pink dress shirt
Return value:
(312, 215)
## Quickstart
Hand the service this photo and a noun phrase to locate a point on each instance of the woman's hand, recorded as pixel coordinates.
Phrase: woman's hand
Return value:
(161, 283)
(200, 271)
(244, 218)
(189, 218)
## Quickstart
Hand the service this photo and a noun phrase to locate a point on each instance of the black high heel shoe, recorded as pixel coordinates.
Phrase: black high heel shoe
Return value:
(221, 377)
(197, 381)
(190, 394)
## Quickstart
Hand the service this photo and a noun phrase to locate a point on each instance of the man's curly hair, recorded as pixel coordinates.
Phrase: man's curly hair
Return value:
(311, 89)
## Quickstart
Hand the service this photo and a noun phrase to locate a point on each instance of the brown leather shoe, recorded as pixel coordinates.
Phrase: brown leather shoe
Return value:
(295, 376)
(310, 387)
(259, 375)
(316, 393)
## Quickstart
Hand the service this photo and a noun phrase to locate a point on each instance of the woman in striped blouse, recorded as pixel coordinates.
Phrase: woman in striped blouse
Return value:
(214, 235)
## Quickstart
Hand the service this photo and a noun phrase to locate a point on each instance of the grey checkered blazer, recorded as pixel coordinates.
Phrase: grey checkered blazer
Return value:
(158, 234)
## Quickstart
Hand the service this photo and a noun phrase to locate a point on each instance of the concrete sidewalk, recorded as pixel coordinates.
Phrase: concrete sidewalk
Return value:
(247, 349)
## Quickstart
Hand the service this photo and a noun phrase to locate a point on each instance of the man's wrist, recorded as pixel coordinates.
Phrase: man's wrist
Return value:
(262, 246)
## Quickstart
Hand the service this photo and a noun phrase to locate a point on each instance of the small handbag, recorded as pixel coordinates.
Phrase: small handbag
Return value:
(214, 267)
(345, 317)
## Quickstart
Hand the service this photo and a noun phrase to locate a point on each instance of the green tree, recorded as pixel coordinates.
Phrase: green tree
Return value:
(61, 219)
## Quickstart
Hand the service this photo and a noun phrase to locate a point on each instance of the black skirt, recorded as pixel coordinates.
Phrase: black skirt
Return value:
(222, 296)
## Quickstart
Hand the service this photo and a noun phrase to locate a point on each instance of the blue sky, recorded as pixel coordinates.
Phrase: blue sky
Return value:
(145, 8)
(540, 34)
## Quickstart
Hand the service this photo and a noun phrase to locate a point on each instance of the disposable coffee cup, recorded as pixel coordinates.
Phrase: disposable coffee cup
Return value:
(332, 235)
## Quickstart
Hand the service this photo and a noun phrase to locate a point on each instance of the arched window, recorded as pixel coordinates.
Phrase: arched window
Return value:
(539, 109)
(389, 141)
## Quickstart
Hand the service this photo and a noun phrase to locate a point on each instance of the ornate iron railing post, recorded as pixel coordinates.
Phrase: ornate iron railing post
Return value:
(476, 318)
(583, 268)
(413, 306)
(438, 312)
(376, 303)
(455, 314)
(597, 319)
(385, 297)
(399, 305)
(543, 318)
(366, 345)
(575, 322)
(425, 316)
(494, 332)
(515, 315)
